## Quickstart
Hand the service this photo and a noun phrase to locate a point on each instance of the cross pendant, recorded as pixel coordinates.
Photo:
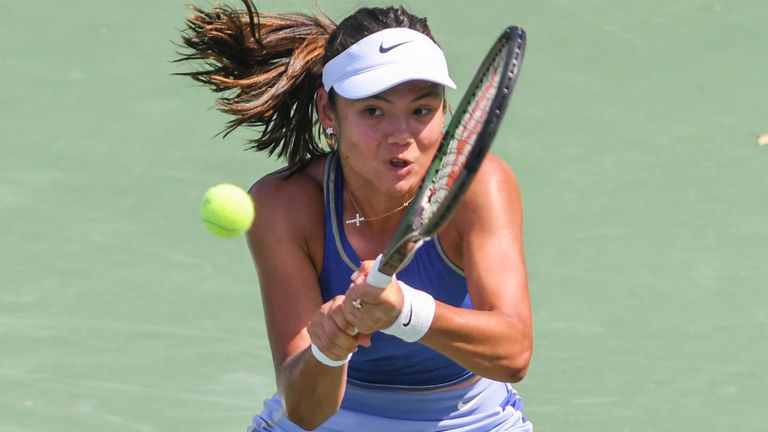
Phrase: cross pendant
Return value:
(356, 220)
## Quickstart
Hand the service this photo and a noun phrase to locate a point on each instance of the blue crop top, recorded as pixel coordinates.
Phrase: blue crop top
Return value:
(390, 362)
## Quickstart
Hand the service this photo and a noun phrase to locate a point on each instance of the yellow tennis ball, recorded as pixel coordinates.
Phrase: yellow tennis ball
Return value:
(227, 210)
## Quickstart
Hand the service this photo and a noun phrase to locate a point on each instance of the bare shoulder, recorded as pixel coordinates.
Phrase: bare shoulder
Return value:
(496, 169)
(281, 188)
(494, 188)
(289, 207)
(491, 208)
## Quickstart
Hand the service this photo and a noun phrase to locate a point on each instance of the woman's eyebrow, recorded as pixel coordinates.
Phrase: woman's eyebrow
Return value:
(425, 95)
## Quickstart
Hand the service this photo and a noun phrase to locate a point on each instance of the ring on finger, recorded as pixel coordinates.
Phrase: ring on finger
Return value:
(357, 303)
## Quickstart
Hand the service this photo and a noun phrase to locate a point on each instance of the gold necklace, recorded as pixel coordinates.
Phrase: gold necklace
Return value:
(360, 218)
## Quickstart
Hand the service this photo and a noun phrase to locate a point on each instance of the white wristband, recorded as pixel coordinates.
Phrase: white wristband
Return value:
(416, 316)
(324, 359)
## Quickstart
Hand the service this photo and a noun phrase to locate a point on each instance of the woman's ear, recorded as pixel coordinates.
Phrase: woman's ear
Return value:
(325, 110)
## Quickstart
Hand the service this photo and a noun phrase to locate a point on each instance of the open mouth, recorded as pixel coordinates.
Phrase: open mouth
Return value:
(399, 163)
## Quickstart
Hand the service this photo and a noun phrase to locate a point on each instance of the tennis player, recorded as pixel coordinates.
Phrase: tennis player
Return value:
(374, 87)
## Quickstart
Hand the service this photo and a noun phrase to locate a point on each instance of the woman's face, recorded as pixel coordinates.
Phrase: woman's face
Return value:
(388, 140)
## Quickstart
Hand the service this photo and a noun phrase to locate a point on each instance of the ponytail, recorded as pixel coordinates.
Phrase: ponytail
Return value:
(269, 66)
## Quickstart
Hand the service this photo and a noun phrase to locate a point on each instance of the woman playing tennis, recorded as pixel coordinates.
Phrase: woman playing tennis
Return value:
(373, 88)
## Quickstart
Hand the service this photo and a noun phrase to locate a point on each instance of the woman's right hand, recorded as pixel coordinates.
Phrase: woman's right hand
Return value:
(333, 334)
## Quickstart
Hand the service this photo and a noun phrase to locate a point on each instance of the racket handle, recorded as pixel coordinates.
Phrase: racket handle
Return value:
(376, 278)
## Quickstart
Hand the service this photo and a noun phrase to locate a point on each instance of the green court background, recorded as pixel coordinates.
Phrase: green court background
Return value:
(634, 135)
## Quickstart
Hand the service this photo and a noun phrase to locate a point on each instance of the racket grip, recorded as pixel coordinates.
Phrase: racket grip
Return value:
(377, 279)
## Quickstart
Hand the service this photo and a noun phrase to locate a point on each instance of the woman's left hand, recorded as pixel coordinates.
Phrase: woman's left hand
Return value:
(369, 308)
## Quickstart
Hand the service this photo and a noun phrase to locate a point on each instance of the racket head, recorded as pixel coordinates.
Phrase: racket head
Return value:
(466, 141)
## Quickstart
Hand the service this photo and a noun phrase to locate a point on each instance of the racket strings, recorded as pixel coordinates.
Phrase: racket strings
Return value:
(470, 127)
(462, 142)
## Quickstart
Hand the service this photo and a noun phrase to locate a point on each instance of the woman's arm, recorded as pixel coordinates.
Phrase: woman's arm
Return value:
(495, 338)
(281, 241)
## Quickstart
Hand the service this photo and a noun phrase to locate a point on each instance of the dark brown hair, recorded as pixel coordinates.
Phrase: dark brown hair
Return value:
(269, 67)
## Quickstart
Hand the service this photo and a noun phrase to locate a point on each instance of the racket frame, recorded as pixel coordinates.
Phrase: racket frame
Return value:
(407, 238)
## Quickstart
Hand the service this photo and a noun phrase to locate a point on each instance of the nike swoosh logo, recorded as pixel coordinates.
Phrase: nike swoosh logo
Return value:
(410, 316)
(384, 50)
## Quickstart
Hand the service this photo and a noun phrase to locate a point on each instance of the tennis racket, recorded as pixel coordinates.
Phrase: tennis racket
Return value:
(461, 151)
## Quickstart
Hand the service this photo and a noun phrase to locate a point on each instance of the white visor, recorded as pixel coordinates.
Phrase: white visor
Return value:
(383, 60)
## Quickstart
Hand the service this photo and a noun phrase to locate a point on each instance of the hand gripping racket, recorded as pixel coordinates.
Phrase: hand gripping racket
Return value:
(462, 149)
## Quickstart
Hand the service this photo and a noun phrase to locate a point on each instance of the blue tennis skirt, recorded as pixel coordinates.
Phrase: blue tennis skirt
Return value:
(485, 406)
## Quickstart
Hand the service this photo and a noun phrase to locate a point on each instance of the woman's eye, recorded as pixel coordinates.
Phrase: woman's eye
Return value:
(423, 111)
(373, 112)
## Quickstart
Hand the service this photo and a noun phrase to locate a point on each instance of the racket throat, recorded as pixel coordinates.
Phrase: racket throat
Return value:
(400, 256)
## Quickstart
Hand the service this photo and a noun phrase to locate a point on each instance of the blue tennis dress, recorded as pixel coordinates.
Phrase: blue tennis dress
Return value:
(394, 385)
